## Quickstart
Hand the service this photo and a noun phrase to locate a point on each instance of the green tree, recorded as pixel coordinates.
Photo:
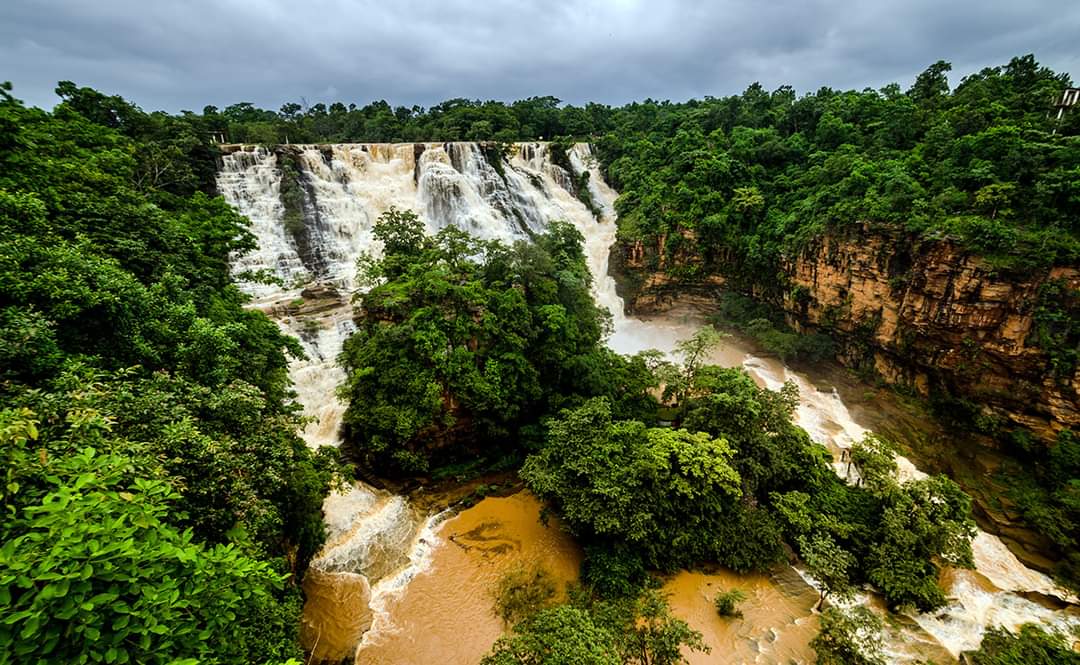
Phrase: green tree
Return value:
(932, 85)
(694, 351)
(648, 634)
(523, 592)
(462, 344)
(850, 637)
(1030, 646)
(727, 602)
(830, 565)
(562, 635)
(667, 493)
(91, 573)
(874, 459)
(922, 522)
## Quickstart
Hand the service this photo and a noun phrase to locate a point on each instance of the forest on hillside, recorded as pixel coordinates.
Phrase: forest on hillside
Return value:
(160, 506)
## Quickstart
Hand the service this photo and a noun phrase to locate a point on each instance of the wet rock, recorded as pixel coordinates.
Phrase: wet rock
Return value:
(320, 292)
(1046, 600)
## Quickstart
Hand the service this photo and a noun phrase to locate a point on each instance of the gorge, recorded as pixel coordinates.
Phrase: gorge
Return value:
(927, 315)
(602, 333)
(312, 210)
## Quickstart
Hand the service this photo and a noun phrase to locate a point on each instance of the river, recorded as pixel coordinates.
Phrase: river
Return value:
(391, 585)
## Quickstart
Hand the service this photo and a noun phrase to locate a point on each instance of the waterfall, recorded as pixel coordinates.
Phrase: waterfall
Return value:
(250, 182)
(378, 542)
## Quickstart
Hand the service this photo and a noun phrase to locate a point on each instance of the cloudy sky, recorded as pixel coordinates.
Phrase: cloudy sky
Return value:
(185, 54)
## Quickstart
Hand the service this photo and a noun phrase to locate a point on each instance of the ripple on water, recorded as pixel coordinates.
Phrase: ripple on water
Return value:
(446, 614)
(777, 623)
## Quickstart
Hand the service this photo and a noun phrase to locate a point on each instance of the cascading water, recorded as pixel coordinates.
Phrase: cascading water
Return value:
(377, 542)
(986, 596)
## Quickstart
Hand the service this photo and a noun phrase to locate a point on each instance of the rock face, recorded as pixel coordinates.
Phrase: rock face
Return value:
(926, 314)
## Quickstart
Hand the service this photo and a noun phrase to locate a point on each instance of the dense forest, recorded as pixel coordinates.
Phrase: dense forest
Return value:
(160, 506)
(158, 503)
(739, 183)
(510, 346)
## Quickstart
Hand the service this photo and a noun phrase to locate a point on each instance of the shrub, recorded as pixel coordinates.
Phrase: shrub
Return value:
(523, 592)
(727, 602)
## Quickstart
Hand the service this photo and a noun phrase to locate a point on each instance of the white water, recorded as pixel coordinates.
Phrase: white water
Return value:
(972, 607)
(371, 533)
(453, 184)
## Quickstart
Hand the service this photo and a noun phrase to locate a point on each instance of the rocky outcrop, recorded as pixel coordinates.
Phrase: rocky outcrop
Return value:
(921, 313)
(654, 278)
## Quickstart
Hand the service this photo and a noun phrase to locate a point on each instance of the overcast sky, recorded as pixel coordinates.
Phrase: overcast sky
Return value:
(185, 54)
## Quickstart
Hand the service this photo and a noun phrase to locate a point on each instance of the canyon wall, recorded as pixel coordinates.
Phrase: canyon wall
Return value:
(925, 314)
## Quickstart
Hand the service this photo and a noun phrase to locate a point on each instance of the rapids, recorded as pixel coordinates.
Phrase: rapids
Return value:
(390, 585)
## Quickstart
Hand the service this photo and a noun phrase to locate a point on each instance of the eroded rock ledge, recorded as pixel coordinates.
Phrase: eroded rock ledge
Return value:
(926, 314)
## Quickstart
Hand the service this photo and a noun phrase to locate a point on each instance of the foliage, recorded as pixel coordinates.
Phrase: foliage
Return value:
(1031, 646)
(523, 592)
(562, 635)
(922, 522)
(727, 602)
(614, 569)
(1047, 492)
(849, 637)
(1056, 326)
(666, 493)
(765, 325)
(646, 633)
(830, 565)
(679, 381)
(636, 630)
(772, 453)
(158, 502)
(462, 345)
(892, 535)
(90, 571)
(735, 480)
(873, 458)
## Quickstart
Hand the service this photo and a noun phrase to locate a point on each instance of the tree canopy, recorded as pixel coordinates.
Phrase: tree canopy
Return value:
(463, 344)
(158, 503)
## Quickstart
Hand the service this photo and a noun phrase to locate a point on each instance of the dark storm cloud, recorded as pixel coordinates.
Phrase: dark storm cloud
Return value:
(175, 54)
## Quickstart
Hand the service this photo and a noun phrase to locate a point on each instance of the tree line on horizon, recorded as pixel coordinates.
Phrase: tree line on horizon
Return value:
(161, 507)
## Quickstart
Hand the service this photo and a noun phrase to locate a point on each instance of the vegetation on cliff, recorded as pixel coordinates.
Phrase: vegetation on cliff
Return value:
(1047, 492)
(158, 503)
(745, 180)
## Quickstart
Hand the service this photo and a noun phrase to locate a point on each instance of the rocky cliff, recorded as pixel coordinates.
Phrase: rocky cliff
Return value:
(926, 314)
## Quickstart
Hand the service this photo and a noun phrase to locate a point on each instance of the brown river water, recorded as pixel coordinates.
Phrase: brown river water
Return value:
(446, 615)
(394, 584)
